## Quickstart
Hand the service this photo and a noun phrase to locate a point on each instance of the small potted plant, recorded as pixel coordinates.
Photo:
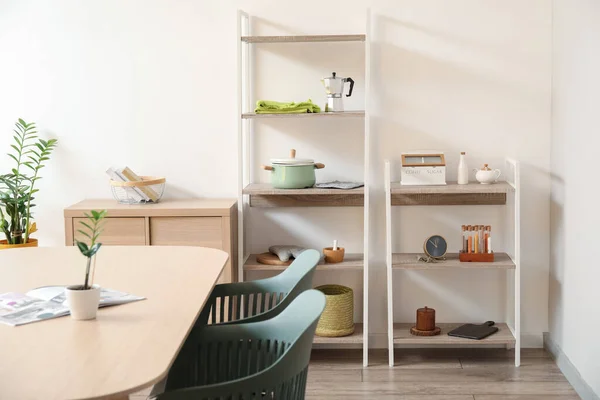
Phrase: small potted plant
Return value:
(17, 188)
(83, 300)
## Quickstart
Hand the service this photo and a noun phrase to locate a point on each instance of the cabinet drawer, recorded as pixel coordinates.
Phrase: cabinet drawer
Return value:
(117, 231)
(186, 231)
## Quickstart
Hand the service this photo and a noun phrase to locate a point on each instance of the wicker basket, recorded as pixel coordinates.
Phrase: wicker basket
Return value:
(338, 317)
(149, 190)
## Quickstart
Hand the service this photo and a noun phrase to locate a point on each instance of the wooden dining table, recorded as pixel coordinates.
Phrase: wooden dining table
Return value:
(128, 347)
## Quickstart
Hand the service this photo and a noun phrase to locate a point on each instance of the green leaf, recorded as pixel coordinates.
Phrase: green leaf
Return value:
(97, 235)
(94, 249)
(95, 214)
(83, 248)
(84, 233)
(86, 225)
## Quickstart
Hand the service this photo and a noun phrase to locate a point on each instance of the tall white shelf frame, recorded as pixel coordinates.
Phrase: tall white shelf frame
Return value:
(510, 332)
(245, 120)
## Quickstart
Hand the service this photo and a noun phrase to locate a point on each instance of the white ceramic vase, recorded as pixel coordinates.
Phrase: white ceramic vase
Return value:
(83, 304)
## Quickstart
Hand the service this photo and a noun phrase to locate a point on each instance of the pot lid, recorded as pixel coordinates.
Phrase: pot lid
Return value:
(292, 160)
(485, 168)
(333, 76)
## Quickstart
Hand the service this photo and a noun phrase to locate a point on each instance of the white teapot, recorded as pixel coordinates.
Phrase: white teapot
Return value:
(485, 175)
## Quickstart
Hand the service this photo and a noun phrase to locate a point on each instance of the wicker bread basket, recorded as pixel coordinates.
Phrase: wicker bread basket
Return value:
(338, 317)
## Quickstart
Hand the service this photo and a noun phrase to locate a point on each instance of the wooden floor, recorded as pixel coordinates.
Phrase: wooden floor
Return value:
(437, 374)
(434, 374)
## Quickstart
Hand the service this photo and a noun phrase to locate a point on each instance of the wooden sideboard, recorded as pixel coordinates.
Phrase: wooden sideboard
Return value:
(190, 222)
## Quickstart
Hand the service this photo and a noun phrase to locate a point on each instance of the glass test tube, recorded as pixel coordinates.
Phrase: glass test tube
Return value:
(469, 239)
(481, 239)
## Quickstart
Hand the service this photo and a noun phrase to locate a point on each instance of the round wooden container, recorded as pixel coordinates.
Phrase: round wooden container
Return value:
(425, 323)
(333, 256)
(426, 319)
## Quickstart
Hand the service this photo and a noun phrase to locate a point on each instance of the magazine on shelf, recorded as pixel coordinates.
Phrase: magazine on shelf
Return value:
(49, 302)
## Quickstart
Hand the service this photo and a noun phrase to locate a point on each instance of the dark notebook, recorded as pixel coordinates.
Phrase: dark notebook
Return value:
(476, 332)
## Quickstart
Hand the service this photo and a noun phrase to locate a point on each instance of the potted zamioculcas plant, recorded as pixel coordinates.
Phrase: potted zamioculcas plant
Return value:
(83, 300)
(17, 188)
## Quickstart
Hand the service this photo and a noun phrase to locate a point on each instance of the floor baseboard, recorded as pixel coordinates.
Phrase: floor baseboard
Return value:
(568, 369)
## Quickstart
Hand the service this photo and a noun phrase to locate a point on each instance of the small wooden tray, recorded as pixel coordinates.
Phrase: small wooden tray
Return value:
(271, 259)
(476, 257)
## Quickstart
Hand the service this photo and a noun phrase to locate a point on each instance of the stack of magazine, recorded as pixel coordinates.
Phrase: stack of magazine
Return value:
(49, 302)
(141, 194)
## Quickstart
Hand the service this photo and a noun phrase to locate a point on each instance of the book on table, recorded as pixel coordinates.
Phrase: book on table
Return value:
(49, 302)
(133, 177)
(135, 193)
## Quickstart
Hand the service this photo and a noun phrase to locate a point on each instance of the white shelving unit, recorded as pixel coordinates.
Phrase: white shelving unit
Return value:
(263, 195)
(505, 193)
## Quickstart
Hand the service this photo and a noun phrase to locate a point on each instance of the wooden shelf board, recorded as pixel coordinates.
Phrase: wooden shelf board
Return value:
(451, 188)
(341, 114)
(450, 194)
(264, 195)
(355, 338)
(303, 38)
(409, 261)
(352, 261)
(403, 336)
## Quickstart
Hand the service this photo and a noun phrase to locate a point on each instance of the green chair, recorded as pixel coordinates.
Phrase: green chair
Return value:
(256, 360)
(261, 299)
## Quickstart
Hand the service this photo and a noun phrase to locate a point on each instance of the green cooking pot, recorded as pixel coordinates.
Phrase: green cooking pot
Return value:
(293, 173)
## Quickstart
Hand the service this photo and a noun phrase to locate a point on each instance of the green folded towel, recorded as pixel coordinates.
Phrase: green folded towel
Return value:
(275, 107)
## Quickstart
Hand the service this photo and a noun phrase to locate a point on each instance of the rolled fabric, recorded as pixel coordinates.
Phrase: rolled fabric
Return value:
(285, 252)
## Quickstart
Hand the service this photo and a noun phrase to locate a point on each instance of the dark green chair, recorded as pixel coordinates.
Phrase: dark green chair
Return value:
(255, 360)
(261, 299)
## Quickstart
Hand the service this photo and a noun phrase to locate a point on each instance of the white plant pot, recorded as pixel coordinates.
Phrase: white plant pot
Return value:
(83, 304)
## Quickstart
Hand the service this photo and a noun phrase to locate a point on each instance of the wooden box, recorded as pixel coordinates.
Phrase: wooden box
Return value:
(476, 257)
(423, 168)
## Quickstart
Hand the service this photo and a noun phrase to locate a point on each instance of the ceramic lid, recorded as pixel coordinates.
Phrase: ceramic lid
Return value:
(292, 160)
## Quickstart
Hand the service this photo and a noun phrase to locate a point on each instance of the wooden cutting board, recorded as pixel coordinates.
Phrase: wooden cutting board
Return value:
(271, 259)
(475, 332)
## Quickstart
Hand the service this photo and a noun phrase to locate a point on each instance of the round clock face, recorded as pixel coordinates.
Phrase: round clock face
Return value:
(435, 246)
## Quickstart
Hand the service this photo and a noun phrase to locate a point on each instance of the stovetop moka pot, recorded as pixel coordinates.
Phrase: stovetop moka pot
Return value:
(334, 88)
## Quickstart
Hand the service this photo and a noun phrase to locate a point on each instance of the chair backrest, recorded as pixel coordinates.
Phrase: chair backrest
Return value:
(263, 299)
(267, 359)
(296, 279)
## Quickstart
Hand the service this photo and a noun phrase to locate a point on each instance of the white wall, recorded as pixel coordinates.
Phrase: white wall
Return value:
(152, 84)
(574, 273)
